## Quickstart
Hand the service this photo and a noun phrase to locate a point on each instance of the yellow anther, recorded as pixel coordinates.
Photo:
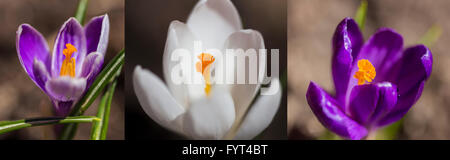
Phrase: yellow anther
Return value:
(366, 72)
(68, 65)
(203, 67)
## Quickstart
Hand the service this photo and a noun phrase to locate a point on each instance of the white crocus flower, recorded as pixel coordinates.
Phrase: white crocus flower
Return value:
(203, 111)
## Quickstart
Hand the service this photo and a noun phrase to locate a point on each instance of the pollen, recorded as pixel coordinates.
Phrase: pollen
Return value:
(68, 65)
(366, 72)
(203, 66)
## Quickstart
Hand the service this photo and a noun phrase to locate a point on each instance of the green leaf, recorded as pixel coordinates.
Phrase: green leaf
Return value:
(79, 119)
(431, 35)
(97, 126)
(109, 73)
(7, 126)
(99, 129)
(108, 110)
(360, 17)
(81, 11)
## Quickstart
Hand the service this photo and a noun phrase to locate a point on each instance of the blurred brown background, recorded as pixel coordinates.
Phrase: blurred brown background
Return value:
(147, 23)
(19, 97)
(311, 24)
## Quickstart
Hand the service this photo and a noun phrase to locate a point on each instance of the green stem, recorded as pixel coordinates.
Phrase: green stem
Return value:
(108, 74)
(8, 126)
(97, 126)
(81, 11)
(283, 80)
(108, 111)
(428, 39)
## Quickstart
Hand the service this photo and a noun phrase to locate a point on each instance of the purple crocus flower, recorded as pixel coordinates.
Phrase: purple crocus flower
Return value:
(77, 58)
(376, 82)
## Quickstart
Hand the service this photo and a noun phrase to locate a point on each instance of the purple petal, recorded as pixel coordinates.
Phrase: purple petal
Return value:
(368, 103)
(347, 42)
(91, 67)
(383, 50)
(97, 34)
(331, 116)
(31, 46)
(415, 68)
(212, 21)
(40, 74)
(71, 32)
(65, 88)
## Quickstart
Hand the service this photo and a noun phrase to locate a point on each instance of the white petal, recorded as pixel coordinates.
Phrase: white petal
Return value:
(260, 114)
(178, 37)
(211, 117)
(214, 20)
(104, 36)
(155, 99)
(243, 93)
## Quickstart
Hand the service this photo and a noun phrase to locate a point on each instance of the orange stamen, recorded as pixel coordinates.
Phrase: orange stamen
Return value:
(68, 65)
(366, 72)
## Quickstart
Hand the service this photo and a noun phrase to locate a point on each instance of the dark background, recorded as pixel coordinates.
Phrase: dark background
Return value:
(147, 23)
(19, 96)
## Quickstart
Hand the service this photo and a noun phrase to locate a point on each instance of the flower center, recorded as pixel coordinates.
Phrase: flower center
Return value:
(68, 65)
(366, 72)
(204, 68)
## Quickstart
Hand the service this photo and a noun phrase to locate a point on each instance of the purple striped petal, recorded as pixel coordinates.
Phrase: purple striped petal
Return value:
(331, 116)
(61, 109)
(347, 42)
(71, 32)
(97, 34)
(91, 67)
(369, 102)
(415, 68)
(65, 88)
(31, 46)
(40, 74)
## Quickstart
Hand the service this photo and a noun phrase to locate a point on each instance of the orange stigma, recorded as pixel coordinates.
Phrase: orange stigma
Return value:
(366, 72)
(68, 65)
(203, 67)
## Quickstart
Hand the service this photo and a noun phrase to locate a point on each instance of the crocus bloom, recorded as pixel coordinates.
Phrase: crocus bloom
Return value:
(206, 110)
(66, 74)
(376, 82)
